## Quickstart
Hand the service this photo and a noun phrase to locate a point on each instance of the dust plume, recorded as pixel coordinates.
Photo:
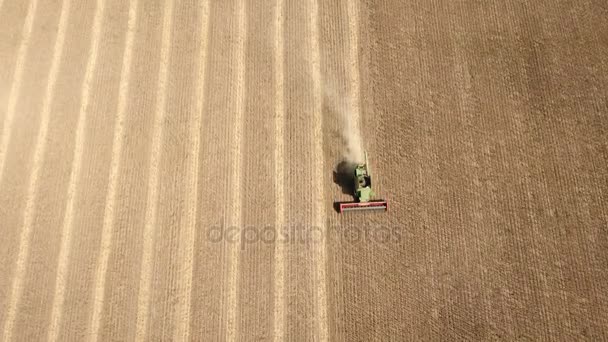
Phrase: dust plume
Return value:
(344, 107)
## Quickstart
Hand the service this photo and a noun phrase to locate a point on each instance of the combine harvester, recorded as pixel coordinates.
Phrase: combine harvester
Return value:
(363, 192)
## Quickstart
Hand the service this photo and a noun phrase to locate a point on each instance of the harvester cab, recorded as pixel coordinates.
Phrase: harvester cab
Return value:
(364, 195)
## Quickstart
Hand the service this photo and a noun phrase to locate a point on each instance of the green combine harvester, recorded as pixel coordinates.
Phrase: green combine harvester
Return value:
(363, 192)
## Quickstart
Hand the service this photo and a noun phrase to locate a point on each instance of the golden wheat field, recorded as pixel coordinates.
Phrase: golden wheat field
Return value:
(168, 170)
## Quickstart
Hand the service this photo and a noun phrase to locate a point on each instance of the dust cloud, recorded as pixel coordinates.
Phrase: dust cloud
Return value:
(343, 106)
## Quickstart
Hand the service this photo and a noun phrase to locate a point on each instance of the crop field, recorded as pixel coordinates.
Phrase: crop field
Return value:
(169, 168)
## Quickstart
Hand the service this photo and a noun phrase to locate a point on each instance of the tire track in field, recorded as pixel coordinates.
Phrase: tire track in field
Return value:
(319, 219)
(144, 295)
(188, 237)
(279, 257)
(66, 240)
(15, 90)
(231, 299)
(117, 144)
(38, 159)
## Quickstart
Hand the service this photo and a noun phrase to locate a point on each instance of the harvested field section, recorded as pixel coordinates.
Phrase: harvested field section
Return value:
(38, 159)
(117, 269)
(19, 35)
(168, 170)
(339, 25)
(214, 292)
(46, 193)
(18, 142)
(301, 102)
(12, 20)
(255, 280)
(164, 314)
(82, 225)
(151, 218)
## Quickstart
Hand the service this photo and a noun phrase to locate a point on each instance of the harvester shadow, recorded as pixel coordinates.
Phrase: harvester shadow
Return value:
(344, 178)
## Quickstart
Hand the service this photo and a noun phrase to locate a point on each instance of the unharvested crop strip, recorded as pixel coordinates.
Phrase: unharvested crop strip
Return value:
(37, 163)
(68, 219)
(15, 90)
(108, 220)
(279, 120)
(231, 298)
(143, 302)
(319, 204)
(188, 237)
